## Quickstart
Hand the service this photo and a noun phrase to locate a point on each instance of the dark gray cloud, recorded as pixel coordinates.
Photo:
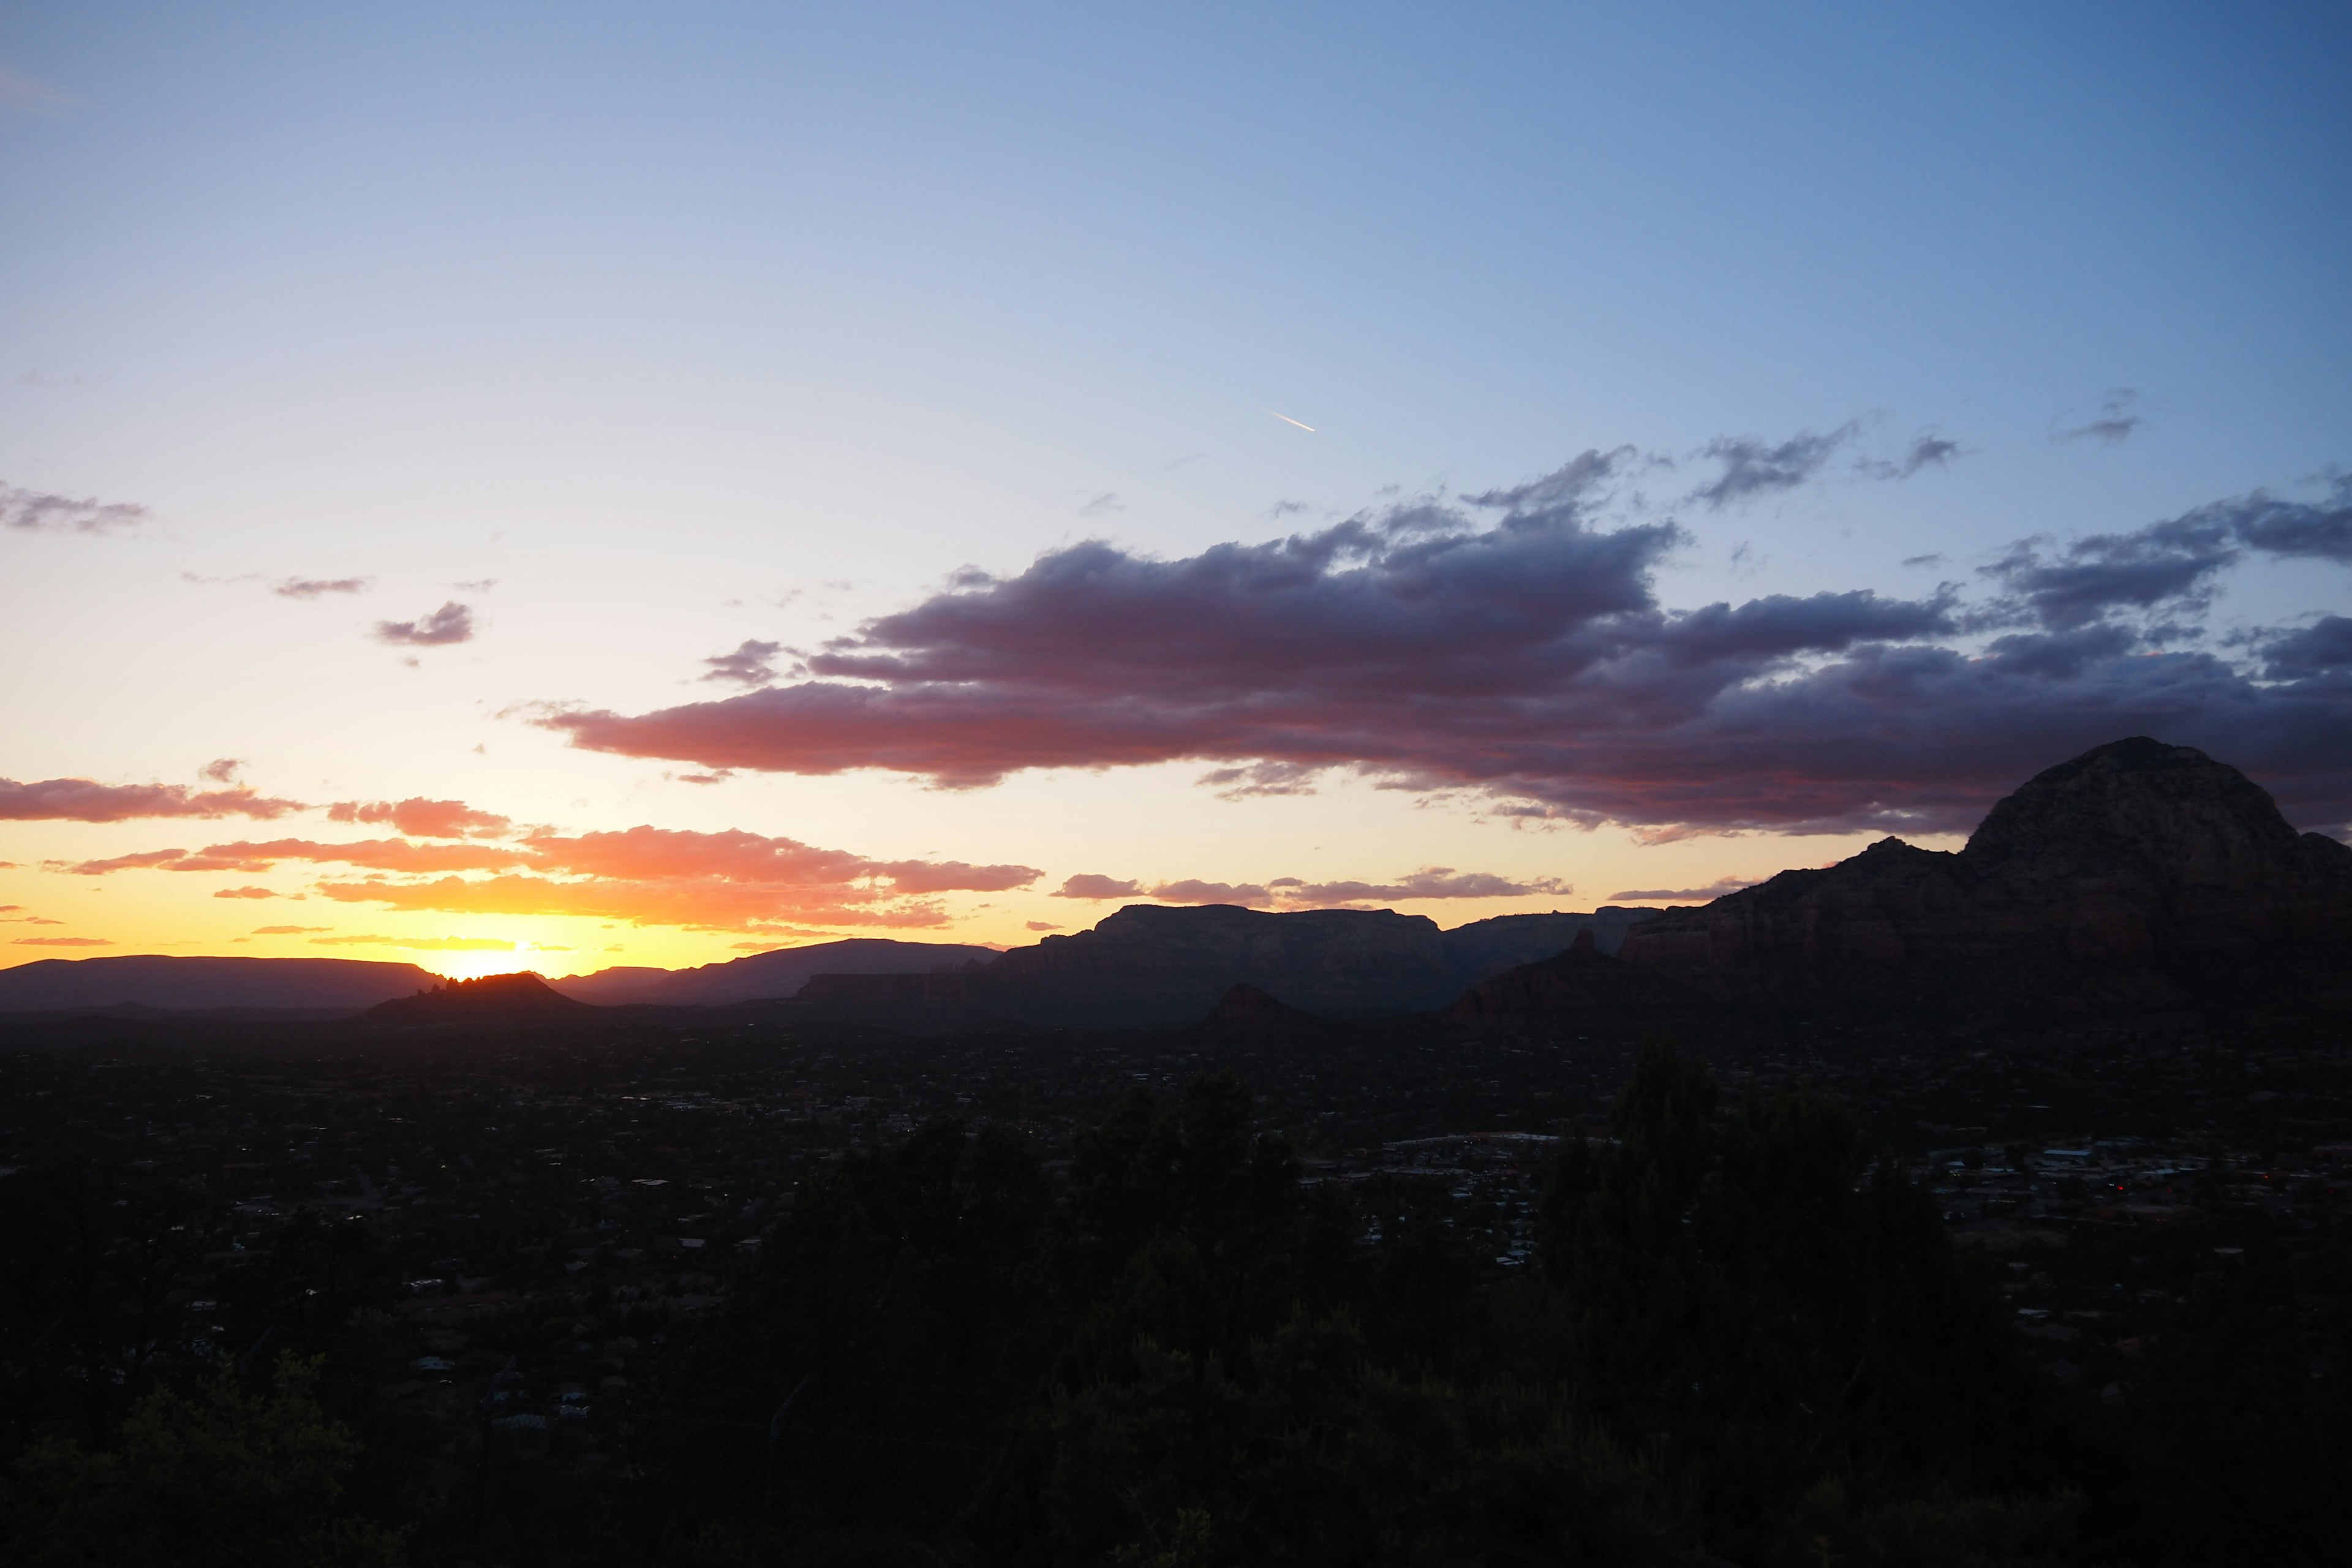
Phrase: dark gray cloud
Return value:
(2322, 648)
(452, 622)
(746, 666)
(2115, 425)
(1530, 660)
(2171, 567)
(1751, 468)
(37, 512)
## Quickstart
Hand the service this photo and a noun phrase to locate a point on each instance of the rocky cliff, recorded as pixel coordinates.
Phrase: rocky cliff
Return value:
(2135, 871)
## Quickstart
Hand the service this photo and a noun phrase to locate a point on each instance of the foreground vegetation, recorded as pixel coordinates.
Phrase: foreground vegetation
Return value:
(1739, 1336)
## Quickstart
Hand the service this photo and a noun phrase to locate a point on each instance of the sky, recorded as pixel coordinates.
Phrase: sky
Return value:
(563, 486)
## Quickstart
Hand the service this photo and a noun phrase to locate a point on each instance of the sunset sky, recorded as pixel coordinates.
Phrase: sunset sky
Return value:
(557, 486)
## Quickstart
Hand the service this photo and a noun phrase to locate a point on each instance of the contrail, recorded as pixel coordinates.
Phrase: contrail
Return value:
(1286, 419)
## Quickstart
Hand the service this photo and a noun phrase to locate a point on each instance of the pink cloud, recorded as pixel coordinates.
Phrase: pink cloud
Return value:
(246, 893)
(62, 941)
(1527, 658)
(452, 622)
(83, 800)
(421, 818)
(1093, 885)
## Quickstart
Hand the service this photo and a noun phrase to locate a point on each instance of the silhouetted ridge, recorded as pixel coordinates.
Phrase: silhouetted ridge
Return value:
(1582, 985)
(493, 996)
(2137, 869)
(171, 983)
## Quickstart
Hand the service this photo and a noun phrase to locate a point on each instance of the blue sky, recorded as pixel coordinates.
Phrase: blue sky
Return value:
(695, 325)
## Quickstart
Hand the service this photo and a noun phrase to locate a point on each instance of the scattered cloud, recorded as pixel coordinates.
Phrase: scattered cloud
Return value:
(746, 666)
(83, 800)
(1041, 925)
(2115, 425)
(1191, 890)
(314, 587)
(1430, 882)
(1260, 779)
(419, 943)
(246, 856)
(421, 818)
(452, 622)
(728, 880)
(1707, 894)
(288, 931)
(35, 512)
(1927, 451)
(61, 942)
(1092, 885)
(246, 893)
(1748, 466)
(1529, 658)
(2171, 567)
(1102, 504)
(221, 770)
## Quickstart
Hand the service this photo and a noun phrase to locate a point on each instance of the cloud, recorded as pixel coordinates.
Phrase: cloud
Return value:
(1193, 891)
(2114, 424)
(1093, 885)
(419, 943)
(1529, 659)
(61, 942)
(246, 856)
(1260, 779)
(955, 876)
(1927, 451)
(246, 893)
(746, 666)
(82, 800)
(1750, 468)
(730, 880)
(1430, 882)
(2171, 566)
(2322, 648)
(288, 931)
(221, 770)
(1102, 505)
(1041, 925)
(452, 622)
(312, 587)
(1707, 894)
(421, 818)
(35, 511)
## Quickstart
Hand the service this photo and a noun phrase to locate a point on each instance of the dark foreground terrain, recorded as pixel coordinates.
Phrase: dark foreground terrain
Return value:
(1807, 1287)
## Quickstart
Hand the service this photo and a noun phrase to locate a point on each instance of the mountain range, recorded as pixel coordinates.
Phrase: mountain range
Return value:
(2137, 874)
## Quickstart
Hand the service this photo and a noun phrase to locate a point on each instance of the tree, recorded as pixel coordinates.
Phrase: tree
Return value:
(218, 1476)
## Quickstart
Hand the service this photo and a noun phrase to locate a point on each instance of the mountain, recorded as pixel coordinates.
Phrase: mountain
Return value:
(1582, 986)
(2138, 871)
(182, 985)
(521, 998)
(1151, 966)
(779, 974)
